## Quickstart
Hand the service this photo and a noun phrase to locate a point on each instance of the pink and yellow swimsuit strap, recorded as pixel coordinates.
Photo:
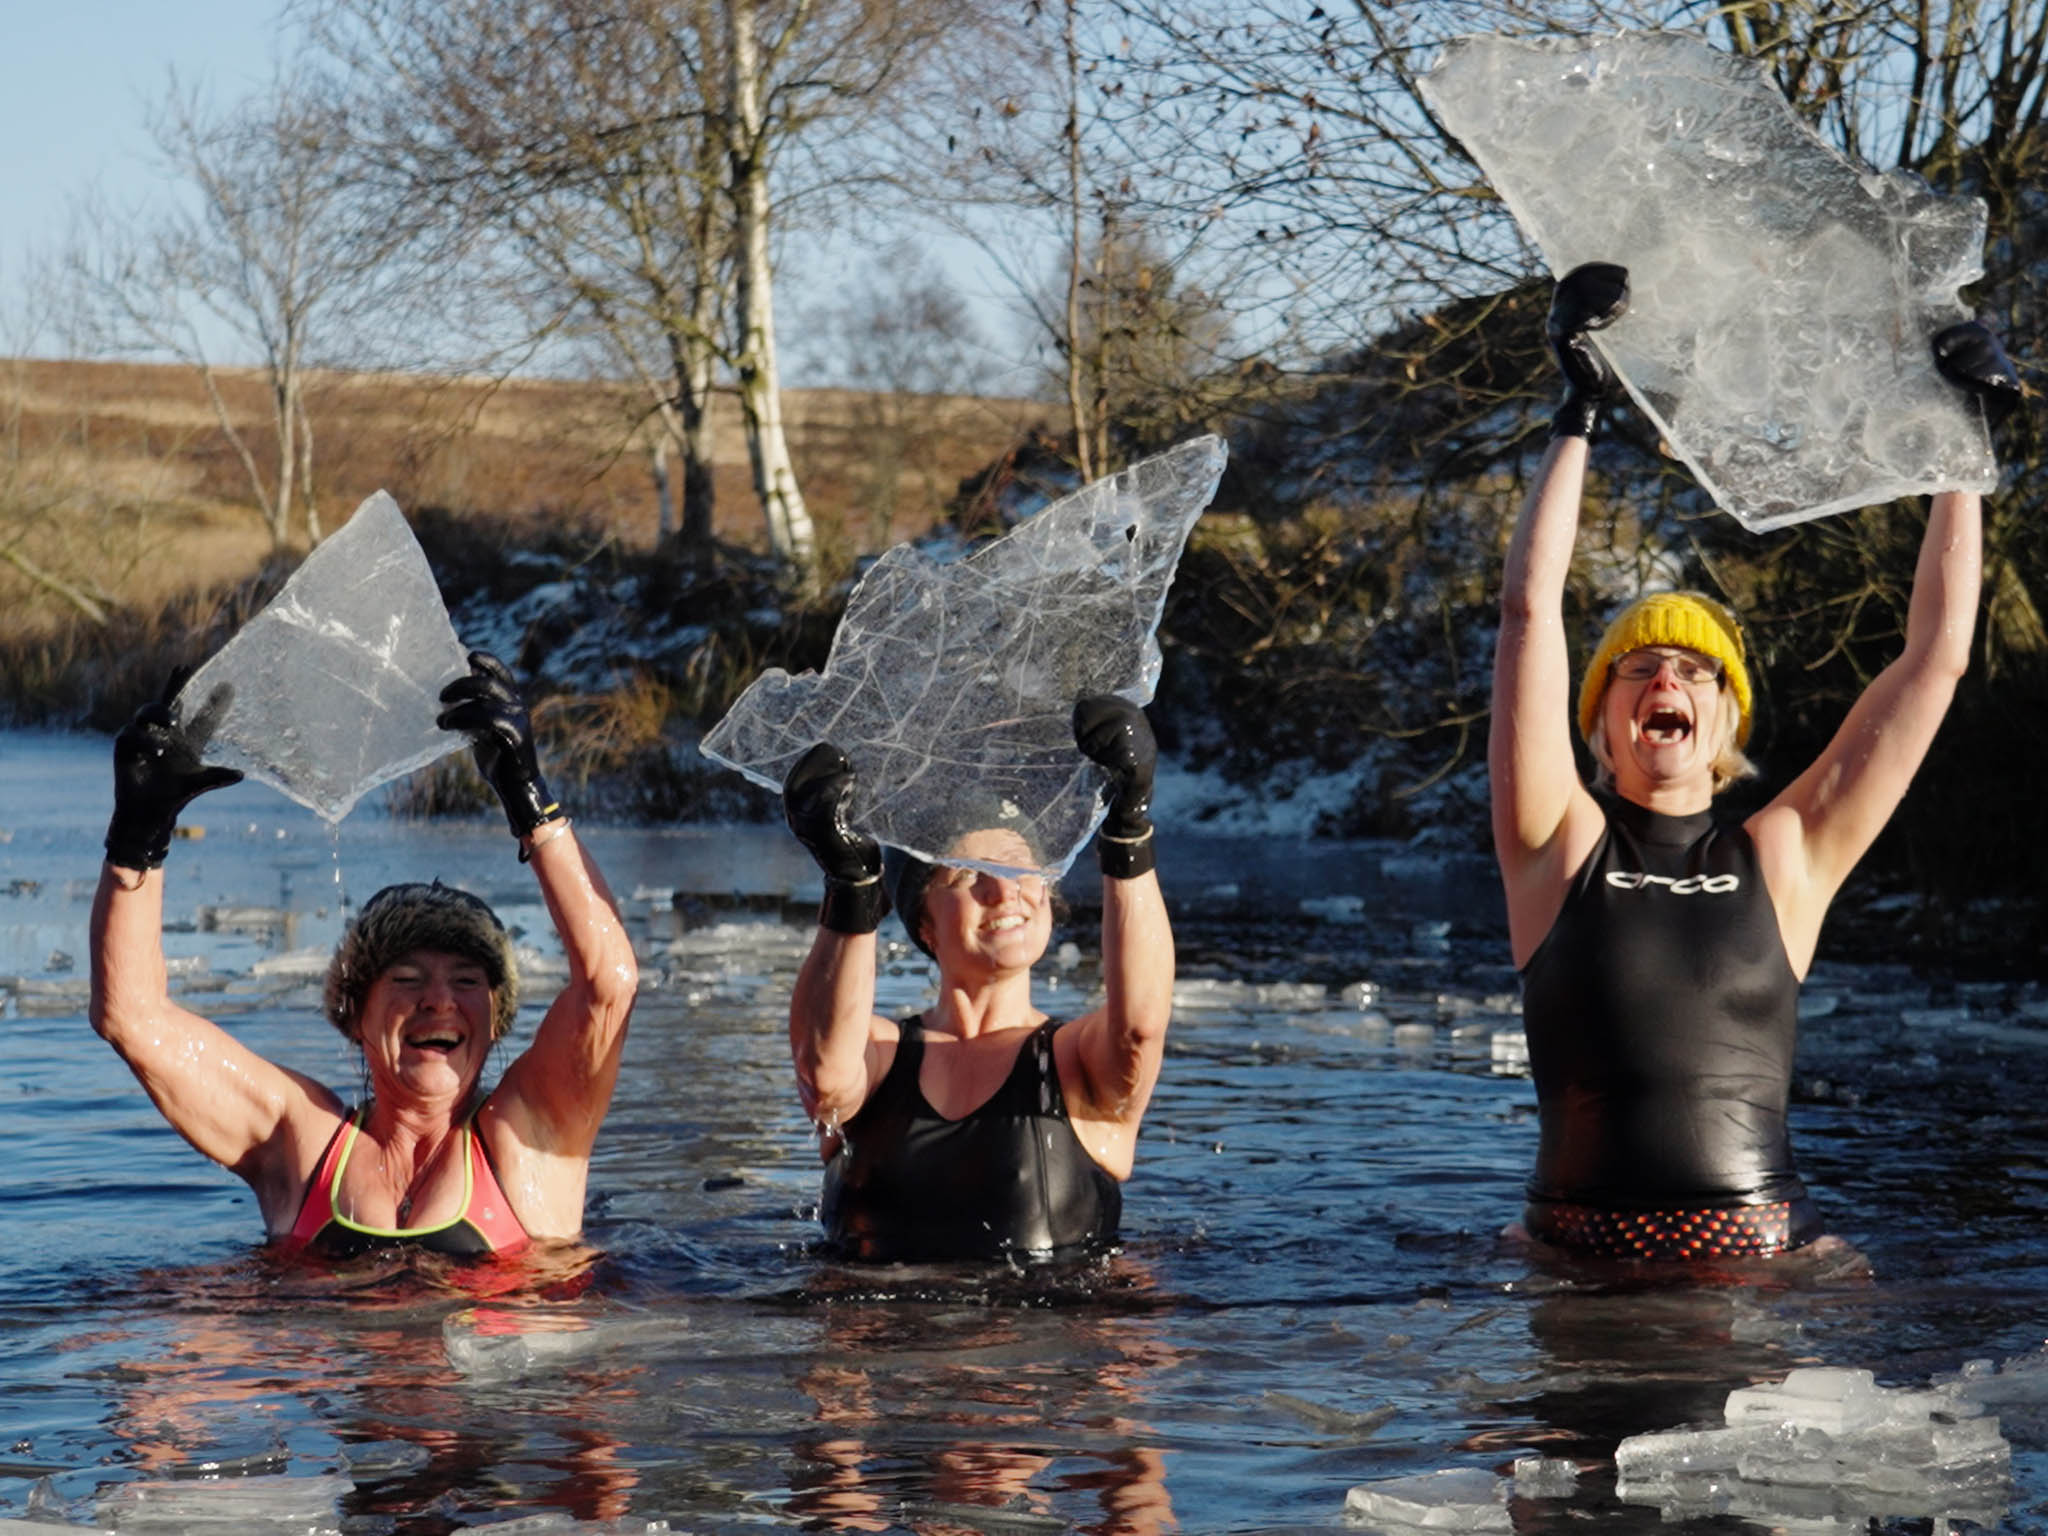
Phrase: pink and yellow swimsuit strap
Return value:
(484, 1224)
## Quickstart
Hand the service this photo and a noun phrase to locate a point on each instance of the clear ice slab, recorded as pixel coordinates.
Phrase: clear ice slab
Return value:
(1783, 298)
(951, 687)
(333, 688)
(1828, 1444)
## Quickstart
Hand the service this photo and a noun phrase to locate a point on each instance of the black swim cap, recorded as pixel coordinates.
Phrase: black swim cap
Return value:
(905, 877)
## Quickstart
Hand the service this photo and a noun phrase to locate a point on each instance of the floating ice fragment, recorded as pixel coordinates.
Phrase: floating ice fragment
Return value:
(333, 688)
(1783, 298)
(1462, 1499)
(1334, 909)
(1833, 1434)
(951, 688)
(285, 1506)
(559, 1523)
(1545, 1477)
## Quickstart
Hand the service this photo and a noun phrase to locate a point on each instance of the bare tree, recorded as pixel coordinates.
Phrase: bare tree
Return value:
(265, 252)
(582, 143)
(908, 347)
(628, 160)
(1030, 152)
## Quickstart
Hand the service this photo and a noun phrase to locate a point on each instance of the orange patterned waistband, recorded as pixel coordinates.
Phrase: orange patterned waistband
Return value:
(1734, 1231)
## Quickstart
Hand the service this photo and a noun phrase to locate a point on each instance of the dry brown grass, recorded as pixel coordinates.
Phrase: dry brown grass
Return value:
(120, 472)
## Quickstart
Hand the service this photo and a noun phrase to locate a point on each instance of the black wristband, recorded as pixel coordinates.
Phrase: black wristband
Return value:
(1125, 858)
(138, 847)
(853, 906)
(1577, 416)
(529, 806)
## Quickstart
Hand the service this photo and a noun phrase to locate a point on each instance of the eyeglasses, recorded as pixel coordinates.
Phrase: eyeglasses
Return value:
(1686, 666)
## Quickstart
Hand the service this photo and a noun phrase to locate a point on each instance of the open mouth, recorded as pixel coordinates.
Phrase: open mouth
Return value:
(1004, 923)
(1666, 727)
(443, 1041)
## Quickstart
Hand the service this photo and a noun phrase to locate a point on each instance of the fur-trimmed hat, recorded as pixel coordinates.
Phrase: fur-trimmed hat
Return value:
(1688, 619)
(402, 918)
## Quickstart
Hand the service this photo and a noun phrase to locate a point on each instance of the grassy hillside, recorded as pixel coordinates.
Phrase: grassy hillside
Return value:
(117, 482)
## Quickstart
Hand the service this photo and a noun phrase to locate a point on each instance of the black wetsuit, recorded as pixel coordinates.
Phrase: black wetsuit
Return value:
(1661, 1012)
(1011, 1178)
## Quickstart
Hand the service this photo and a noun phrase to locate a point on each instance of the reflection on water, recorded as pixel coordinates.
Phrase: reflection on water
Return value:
(1314, 1291)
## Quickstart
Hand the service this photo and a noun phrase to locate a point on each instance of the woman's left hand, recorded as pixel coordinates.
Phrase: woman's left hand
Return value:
(1114, 732)
(486, 707)
(1970, 357)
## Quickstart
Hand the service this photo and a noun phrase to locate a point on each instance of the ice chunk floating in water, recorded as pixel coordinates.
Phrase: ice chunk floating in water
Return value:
(333, 688)
(1462, 1499)
(1826, 1444)
(1783, 298)
(952, 687)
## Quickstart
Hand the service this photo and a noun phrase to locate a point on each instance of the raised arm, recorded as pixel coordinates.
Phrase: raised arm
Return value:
(1812, 834)
(834, 1033)
(260, 1120)
(554, 1097)
(1118, 1047)
(1543, 818)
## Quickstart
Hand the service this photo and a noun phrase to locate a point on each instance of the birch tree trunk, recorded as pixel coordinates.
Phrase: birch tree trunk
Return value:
(1077, 392)
(790, 534)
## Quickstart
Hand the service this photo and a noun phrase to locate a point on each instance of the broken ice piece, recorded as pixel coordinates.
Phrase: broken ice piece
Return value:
(1783, 299)
(951, 687)
(1461, 1499)
(333, 688)
(1545, 1477)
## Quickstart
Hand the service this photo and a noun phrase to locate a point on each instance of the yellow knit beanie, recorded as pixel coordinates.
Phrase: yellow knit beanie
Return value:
(1689, 619)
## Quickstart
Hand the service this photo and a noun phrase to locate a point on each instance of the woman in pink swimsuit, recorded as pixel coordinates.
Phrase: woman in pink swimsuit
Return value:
(424, 984)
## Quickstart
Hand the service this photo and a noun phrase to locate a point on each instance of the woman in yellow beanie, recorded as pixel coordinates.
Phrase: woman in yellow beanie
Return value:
(1661, 949)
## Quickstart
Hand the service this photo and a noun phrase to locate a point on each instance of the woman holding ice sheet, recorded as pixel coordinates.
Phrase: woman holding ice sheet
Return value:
(979, 1129)
(424, 984)
(1661, 950)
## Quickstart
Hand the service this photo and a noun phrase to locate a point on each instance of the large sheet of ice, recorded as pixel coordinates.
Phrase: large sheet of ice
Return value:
(333, 688)
(1783, 298)
(951, 687)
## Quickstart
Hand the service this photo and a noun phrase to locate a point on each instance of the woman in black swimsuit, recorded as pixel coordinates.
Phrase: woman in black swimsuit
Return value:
(1661, 949)
(980, 1129)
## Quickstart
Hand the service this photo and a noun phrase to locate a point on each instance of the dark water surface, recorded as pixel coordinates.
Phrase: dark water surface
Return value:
(1313, 1291)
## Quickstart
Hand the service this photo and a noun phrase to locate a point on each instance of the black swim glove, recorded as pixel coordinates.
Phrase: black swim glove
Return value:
(486, 707)
(1588, 298)
(1970, 357)
(817, 800)
(1114, 732)
(158, 772)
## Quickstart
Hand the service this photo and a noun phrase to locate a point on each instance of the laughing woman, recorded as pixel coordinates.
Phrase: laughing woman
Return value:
(980, 1128)
(1661, 949)
(424, 984)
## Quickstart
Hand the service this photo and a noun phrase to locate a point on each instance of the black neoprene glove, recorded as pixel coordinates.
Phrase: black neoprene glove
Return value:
(1970, 357)
(486, 707)
(1114, 732)
(817, 799)
(157, 773)
(1588, 298)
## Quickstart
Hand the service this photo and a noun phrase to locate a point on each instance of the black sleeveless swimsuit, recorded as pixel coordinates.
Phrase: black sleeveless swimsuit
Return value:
(1661, 1012)
(1010, 1179)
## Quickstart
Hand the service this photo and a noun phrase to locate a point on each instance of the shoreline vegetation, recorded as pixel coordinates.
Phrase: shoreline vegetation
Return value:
(1332, 619)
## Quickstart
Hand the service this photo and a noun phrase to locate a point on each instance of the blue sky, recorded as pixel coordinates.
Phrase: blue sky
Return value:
(83, 75)
(80, 79)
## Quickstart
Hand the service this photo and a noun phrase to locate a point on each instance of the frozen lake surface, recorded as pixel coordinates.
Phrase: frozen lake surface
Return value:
(1313, 1292)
